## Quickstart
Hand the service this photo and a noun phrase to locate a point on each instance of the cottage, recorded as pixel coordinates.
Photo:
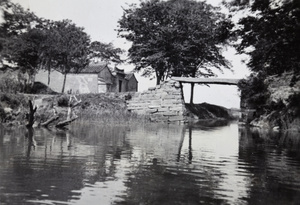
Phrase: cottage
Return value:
(124, 82)
(95, 78)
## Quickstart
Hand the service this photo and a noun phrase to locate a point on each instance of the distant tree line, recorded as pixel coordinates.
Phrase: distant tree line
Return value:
(169, 38)
(29, 43)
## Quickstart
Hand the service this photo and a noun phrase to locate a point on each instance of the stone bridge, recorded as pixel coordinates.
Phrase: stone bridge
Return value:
(165, 102)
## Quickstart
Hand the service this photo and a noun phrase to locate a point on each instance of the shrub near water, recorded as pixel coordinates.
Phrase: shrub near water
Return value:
(63, 101)
(274, 98)
(16, 102)
(12, 100)
(9, 85)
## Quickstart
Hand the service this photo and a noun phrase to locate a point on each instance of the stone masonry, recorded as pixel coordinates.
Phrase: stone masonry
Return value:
(163, 103)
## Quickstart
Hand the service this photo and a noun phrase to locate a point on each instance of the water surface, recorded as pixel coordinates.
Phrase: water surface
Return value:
(150, 164)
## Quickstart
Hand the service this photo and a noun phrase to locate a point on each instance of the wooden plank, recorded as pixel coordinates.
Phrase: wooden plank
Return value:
(222, 81)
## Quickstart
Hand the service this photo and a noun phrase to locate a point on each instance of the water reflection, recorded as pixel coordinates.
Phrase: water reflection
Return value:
(153, 164)
(273, 161)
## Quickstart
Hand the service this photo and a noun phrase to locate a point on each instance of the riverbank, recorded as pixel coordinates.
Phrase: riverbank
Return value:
(208, 112)
(106, 108)
(275, 100)
(103, 108)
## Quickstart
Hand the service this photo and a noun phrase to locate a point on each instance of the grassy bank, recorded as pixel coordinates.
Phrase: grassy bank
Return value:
(106, 108)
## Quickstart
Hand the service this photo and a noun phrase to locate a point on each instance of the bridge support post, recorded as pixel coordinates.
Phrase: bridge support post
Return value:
(192, 93)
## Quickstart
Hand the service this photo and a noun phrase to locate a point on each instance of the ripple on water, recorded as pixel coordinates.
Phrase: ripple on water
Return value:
(161, 164)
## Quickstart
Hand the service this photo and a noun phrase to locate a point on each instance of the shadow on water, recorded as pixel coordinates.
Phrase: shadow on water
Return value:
(275, 165)
(209, 124)
(210, 163)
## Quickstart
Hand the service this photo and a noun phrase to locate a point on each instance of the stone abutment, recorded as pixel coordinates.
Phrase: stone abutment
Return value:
(163, 103)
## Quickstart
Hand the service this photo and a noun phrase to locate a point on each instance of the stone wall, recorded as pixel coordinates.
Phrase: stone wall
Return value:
(164, 103)
(75, 83)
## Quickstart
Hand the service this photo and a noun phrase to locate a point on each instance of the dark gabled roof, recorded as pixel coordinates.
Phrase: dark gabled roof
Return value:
(118, 70)
(94, 67)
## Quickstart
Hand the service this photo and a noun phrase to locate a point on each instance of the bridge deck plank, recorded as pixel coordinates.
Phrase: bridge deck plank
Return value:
(221, 81)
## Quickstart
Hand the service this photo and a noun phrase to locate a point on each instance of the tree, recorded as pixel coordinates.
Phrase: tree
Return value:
(106, 52)
(49, 52)
(20, 40)
(17, 21)
(72, 48)
(175, 38)
(271, 37)
(33, 43)
(24, 51)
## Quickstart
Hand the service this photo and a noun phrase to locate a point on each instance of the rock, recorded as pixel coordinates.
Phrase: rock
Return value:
(177, 85)
(8, 110)
(280, 88)
(151, 88)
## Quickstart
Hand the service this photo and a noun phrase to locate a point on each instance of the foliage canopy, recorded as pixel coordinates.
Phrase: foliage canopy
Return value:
(175, 38)
(270, 35)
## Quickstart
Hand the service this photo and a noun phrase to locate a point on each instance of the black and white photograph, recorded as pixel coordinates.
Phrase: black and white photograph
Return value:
(149, 102)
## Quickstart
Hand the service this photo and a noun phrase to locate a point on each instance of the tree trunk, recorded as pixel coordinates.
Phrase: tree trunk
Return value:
(65, 123)
(158, 77)
(64, 83)
(70, 116)
(157, 80)
(49, 73)
(192, 93)
(52, 119)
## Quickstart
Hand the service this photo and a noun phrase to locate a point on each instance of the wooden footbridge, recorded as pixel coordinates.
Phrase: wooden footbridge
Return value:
(166, 101)
(206, 81)
(220, 81)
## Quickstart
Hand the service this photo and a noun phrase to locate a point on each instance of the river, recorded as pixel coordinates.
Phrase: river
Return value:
(149, 164)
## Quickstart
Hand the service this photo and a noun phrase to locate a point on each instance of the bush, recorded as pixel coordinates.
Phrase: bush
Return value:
(9, 85)
(14, 101)
(63, 101)
(254, 91)
(40, 88)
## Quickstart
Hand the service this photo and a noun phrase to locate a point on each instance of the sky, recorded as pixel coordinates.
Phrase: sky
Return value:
(100, 20)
